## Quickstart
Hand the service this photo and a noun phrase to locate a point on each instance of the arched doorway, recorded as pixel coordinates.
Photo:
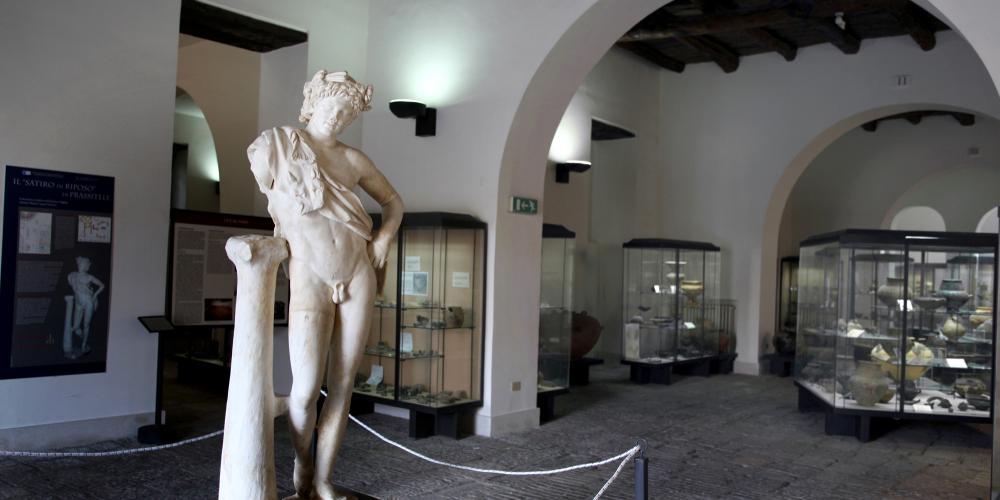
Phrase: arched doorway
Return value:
(195, 175)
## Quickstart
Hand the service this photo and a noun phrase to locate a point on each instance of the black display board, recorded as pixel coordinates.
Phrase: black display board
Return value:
(55, 288)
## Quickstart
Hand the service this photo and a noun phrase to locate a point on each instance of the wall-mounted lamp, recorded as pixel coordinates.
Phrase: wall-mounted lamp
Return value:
(426, 117)
(563, 169)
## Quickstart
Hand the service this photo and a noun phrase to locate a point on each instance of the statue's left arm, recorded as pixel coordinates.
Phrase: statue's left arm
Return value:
(378, 187)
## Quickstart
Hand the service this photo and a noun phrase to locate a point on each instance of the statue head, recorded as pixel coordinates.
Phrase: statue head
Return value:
(336, 84)
(83, 264)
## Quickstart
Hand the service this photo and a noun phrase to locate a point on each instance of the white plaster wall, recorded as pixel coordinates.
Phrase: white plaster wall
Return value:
(225, 82)
(599, 204)
(864, 178)
(338, 32)
(731, 138)
(202, 162)
(90, 92)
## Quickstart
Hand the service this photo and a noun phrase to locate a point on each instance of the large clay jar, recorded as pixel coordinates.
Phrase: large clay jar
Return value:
(586, 333)
(954, 294)
(953, 328)
(891, 292)
(868, 384)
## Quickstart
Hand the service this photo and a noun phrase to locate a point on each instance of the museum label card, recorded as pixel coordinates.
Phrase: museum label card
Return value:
(376, 377)
(923, 408)
(689, 325)
(956, 363)
(459, 280)
(412, 263)
(406, 342)
(855, 333)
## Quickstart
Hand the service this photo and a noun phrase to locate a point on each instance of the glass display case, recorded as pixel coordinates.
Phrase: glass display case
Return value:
(424, 350)
(555, 316)
(671, 308)
(896, 324)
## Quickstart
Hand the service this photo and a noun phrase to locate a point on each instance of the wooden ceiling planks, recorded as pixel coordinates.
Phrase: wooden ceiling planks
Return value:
(722, 31)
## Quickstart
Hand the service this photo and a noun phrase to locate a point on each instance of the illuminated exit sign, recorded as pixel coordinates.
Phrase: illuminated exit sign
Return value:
(527, 206)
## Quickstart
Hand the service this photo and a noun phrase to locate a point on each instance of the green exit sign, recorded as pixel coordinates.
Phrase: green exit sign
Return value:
(519, 205)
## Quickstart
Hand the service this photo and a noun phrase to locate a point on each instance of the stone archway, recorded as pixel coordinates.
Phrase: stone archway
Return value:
(515, 258)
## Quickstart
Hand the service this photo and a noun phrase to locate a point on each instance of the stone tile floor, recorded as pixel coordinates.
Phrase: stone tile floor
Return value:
(721, 437)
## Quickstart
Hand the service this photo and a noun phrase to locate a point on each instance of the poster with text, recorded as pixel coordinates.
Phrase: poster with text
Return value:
(203, 279)
(55, 277)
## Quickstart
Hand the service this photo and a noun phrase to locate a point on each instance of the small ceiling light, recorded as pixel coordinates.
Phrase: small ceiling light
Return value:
(563, 169)
(838, 19)
(426, 117)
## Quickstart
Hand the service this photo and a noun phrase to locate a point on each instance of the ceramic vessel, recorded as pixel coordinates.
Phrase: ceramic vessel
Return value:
(586, 333)
(953, 328)
(455, 317)
(982, 315)
(692, 289)
(891, 292)
(868, 384)
(968, 387)
(928, 303)
(953, 293)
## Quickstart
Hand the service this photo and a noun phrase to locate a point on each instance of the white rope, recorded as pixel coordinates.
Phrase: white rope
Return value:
(115, 453)
(618, 471)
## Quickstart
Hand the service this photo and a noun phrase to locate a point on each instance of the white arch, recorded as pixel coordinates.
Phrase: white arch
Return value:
(919, 218)
(989, 223)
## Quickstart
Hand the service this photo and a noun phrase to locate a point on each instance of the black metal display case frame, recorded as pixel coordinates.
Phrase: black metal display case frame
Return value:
(865, 424)
(453, 420)
(643, 372)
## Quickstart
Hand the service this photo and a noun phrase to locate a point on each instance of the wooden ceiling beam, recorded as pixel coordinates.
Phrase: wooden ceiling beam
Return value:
(915, 117)
(908, 16)
(723, 56)
(843, 39)
(767, 39)
(654, 56)
(786, 11)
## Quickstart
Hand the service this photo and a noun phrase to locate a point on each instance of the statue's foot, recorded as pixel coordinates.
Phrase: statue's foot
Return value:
(325, 491)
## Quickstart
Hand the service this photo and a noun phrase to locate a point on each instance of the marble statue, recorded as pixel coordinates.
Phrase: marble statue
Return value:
(308, 177)
(80, 308)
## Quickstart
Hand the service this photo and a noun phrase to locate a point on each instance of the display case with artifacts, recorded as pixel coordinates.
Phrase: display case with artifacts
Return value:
(424, 350)
(555, 316)
(673, 318)
(895, 325)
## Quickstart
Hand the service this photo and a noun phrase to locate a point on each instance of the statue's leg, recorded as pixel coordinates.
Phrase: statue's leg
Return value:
(88, 315)
(346, 352)
(310, 325)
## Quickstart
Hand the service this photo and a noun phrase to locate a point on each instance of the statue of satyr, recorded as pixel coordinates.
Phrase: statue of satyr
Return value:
(308, 177)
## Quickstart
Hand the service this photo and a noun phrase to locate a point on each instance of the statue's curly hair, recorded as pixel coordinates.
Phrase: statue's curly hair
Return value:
(324, 84)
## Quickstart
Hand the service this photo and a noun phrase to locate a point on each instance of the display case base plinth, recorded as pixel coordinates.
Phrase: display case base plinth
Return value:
(863, 427)
(361, 407)
(642, 373)
(453, 424)
(547, 404)
(780, 364)
(723, 364)
(156, 434)
(579, 370)
(696, 367)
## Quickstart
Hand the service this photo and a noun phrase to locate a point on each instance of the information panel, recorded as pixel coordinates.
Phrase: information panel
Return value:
(55, 287)
(203, 279)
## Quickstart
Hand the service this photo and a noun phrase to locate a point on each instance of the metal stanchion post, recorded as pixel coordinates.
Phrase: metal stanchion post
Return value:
(641, 473)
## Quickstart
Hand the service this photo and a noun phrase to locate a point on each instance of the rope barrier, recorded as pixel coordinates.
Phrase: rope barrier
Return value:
(624, 456)
(115, 453)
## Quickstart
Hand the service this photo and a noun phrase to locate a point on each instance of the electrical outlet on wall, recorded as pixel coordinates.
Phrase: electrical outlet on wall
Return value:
(901, 81)
(515, 386)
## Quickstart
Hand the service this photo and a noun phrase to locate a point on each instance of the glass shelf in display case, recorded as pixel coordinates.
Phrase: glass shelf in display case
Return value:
(673, 317)
(424, 350)
(555, 316)
(896, 324)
